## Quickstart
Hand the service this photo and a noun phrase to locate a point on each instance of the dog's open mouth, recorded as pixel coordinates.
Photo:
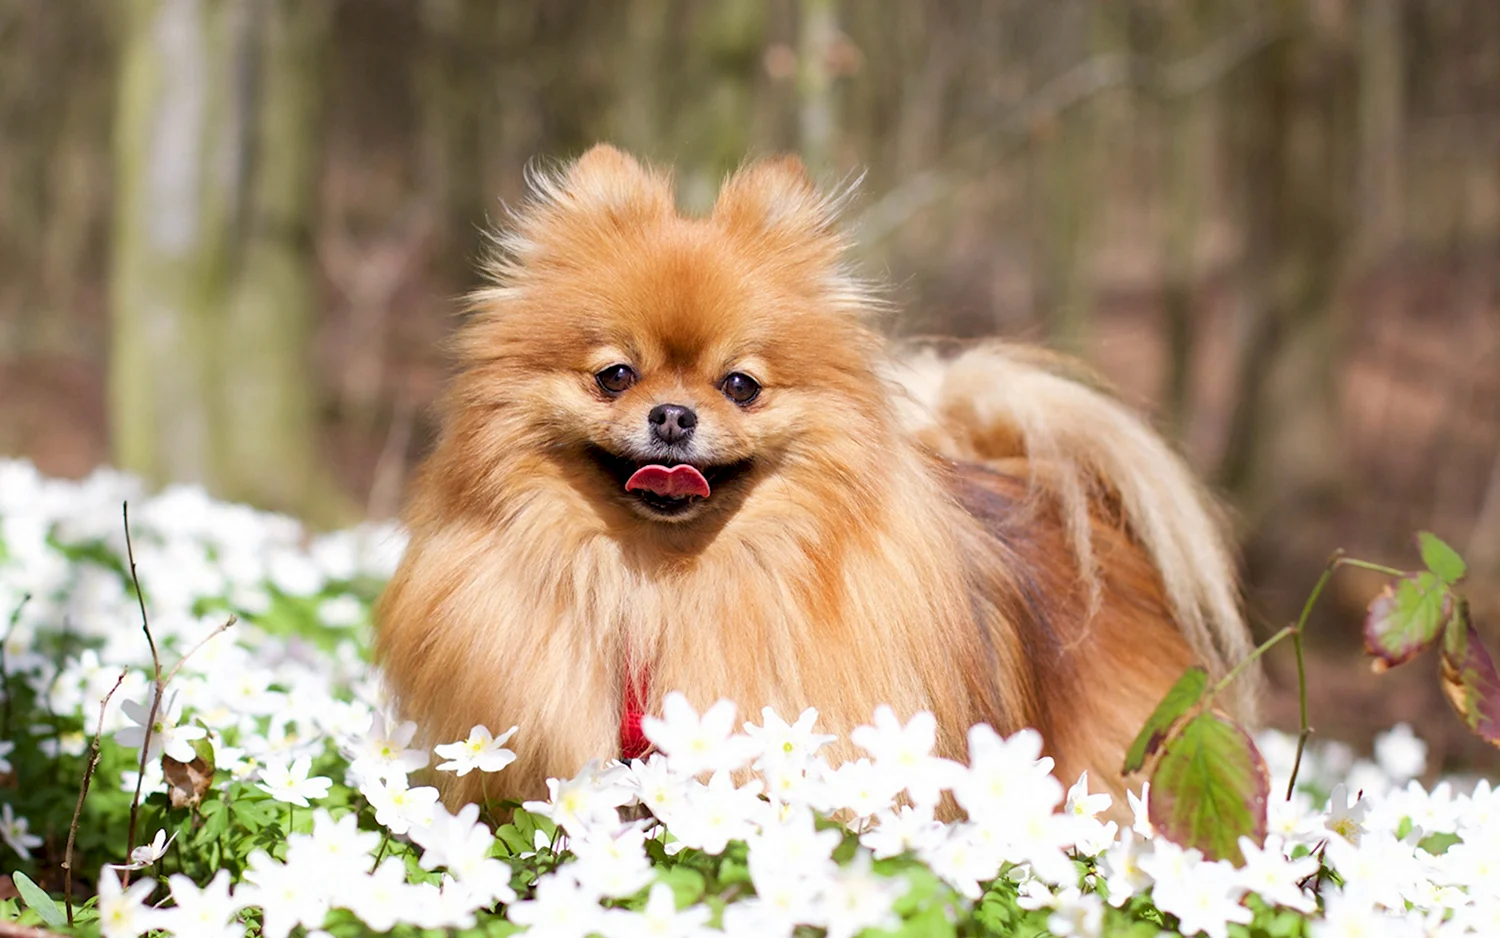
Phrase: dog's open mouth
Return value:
(668, 487)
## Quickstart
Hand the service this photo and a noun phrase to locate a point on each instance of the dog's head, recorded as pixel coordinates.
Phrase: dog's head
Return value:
(669, 365)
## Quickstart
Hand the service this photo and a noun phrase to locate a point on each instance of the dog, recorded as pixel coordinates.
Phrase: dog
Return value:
(676, 454)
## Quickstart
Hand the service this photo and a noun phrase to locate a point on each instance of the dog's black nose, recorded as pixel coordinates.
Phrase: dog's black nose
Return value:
(672, 423)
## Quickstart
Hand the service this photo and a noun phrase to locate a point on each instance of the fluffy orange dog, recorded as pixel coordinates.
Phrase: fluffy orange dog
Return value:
(676, 455)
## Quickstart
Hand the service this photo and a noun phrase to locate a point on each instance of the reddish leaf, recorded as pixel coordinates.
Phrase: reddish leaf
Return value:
(1210, 788)
(1407, 616)
(1470, 681)
(1184, 694)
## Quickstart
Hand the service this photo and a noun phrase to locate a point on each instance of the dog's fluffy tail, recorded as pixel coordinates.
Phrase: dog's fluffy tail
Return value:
(996, 401)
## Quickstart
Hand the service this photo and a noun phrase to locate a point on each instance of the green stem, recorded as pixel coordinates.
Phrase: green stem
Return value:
(385, 838)
(1238, 669)
(1304, 730)
(1341, 561)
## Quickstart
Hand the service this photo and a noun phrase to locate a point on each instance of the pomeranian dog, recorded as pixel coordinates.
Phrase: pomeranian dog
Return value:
(677, 455)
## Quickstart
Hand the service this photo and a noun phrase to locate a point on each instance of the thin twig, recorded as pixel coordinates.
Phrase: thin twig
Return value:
(158, 688)
(191, 651)
(15, 617)
(83, 792)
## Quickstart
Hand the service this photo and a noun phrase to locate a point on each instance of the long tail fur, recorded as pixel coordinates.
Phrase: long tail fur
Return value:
(996, 401)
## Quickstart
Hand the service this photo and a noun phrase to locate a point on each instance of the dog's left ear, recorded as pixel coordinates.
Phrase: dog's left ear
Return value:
(771, 196)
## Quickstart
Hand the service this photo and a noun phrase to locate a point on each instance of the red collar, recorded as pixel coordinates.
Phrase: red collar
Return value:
(637, 689)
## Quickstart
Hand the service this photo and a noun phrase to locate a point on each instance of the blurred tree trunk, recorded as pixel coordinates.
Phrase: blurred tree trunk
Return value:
(1282, 453)
(1382, 103)
(716, 108)
(212, 280)
(1186, 138)
(1072, 191)
(819, 29)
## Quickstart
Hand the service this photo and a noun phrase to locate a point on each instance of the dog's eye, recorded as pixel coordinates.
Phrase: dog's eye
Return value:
(616, 379)
(740, 387)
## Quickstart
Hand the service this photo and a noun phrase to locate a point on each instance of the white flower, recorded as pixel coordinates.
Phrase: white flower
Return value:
(166, 735)
(1140, 811)
(965, 859)
(782, 743)
(147, 854)
(653, 782)
(1076, 914)
(561, 908)
(1081, 804)
(1006, 777)
(16, 832)
(1346, 818)
(1207, 901)
(616, 863)
(288, 895)
(858, 899)
(717, 813)
(122, 912)
(341, 612)
(383, 750)
(1271, 875)
(1379, 866)
(1400, 754)
(338, 849)
(659, 919)
(588, 800)
(6, 748)
(383, 899)
(1121, 867)
(461, 844)
(796, 847)
(696, 745)
(906, 753)
(480, 751)
(906, 829)
(292, 784)
(1346, 916)
(398, 807)
(860, 787)
(208, 912)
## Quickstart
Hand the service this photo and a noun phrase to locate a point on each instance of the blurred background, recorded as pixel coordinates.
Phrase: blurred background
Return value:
(233, 234)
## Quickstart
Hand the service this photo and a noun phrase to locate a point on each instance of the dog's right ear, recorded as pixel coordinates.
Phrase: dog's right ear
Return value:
(610, 182)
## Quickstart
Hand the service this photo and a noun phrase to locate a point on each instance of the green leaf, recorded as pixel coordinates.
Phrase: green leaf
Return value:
(1469, 679)
(1407, 616)
(687, 884)
(1179, 700)
(1441, 559)
(1209, 789)
(38, 900)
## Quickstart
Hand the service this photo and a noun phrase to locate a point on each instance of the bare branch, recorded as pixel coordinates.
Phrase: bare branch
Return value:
(159, 686)
(204, 641)
(83, 792)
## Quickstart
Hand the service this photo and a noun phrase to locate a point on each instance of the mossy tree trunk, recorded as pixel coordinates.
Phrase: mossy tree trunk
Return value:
(212, 278)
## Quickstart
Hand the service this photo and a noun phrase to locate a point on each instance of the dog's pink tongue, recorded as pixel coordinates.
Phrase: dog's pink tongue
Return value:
(674, 482)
